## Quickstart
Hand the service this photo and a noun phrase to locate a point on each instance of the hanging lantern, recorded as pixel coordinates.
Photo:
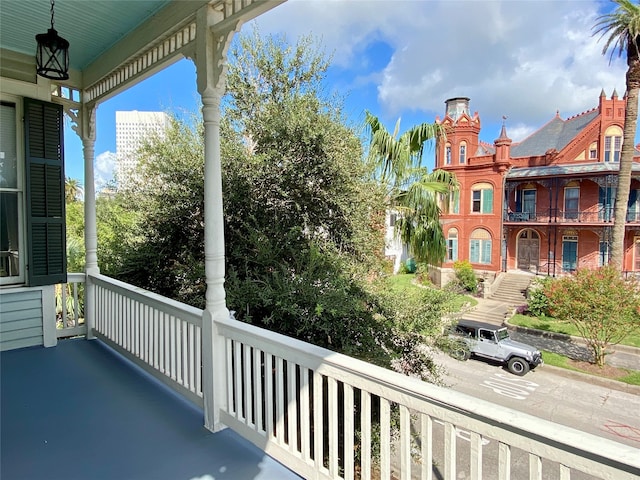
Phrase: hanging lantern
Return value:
(52, 56)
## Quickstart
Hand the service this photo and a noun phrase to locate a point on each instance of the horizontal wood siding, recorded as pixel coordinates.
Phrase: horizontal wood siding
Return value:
(20, 319)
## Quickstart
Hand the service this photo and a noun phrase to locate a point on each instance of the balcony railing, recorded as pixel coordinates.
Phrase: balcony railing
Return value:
(69, 300)
(161, 335)
(327, 415)
(551, 215)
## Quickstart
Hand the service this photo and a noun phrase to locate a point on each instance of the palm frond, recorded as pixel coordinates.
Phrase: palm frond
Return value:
(413, 192)
(621, 29)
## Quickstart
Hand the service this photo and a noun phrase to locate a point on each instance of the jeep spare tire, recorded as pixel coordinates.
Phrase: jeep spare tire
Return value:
(518, 366)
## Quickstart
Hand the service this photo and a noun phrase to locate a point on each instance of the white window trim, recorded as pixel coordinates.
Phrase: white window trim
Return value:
(481, 190)
(20, 158)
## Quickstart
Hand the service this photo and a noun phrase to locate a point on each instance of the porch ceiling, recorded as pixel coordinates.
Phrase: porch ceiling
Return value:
(91, 27)
(113, 44)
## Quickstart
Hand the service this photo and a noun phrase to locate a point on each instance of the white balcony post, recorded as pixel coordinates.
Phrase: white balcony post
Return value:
(84, 126)
(49, 333)
(210, 59)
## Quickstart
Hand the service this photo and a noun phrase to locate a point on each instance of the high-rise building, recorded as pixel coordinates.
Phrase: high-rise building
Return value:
(132, 128)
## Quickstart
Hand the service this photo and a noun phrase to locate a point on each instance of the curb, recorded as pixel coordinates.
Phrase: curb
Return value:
(593, 379)
(568, 338)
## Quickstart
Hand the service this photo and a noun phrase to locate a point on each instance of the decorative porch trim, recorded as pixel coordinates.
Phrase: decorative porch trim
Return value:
(147, 62)
(166, 48)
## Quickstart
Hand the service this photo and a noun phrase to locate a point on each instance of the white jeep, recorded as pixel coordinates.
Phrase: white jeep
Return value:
(491, 341)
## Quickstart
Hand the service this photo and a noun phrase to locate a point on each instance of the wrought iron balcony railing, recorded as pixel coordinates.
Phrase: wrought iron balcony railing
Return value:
(550, 215)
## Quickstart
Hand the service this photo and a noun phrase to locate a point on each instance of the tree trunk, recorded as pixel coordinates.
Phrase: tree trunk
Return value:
(626, 163)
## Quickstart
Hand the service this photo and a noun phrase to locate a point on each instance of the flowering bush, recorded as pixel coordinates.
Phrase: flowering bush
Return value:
(602, 305)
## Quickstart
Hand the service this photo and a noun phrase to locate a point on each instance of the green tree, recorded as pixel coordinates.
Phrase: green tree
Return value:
(118, 233)
(604, 307)
(304, 229)
(72, 190)
(162, 213)
(75, 236)
(622, 31)
(412, 190)
(301, 211)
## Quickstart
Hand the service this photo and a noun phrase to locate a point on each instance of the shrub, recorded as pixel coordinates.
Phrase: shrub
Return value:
(600, 304)
(422, 273)
(537, 297)
(465, 275)
(403, 268)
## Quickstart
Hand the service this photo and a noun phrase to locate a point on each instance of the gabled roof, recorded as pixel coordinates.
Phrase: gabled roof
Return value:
(555, 135)
(485, 148)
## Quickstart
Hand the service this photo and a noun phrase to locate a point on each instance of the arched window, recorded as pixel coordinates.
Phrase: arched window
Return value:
(452, 245)
(482, 198)
(447, 154)
(480, 246)
(463, 152)
(612, 144)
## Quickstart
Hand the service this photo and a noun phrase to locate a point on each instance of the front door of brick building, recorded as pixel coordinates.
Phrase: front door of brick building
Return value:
(528, 250)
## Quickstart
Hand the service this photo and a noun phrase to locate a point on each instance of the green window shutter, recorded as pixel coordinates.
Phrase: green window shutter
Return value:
(486, 252)
(474, 251)
(46, 252)
(456, 201)
(487, 201)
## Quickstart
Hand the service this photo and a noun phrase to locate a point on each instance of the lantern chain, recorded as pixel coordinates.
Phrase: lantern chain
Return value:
(52, 5)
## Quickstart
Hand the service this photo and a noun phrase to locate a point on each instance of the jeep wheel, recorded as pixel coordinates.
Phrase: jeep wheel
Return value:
(460, 352)
(518, 366)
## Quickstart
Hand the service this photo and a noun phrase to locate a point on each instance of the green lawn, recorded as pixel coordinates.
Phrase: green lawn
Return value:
(557, 360)
(550, 324)
(404, 281)
(401, 281)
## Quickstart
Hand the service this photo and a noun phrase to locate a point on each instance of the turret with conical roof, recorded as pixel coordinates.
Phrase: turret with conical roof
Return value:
(503, 144)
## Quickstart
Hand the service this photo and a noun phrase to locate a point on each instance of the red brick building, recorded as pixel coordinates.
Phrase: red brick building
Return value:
(544, 204)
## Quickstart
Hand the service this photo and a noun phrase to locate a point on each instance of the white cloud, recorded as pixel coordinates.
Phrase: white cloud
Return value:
(104, 167)
(523, 59)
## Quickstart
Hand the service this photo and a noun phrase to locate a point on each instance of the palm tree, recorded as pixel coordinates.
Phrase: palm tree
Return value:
(622, 29)
(72, 189)
(412, 190)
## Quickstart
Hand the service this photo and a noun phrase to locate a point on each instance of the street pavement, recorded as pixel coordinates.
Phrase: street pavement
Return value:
(497, 313)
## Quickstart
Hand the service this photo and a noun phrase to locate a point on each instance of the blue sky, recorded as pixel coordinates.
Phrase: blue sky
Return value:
(525, 60)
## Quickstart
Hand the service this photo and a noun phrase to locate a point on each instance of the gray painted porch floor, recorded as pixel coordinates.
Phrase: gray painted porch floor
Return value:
(81, 411)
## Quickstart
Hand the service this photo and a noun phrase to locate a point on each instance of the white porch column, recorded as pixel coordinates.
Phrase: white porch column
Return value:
(210, 59)
(90, 225)
(85, 128)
